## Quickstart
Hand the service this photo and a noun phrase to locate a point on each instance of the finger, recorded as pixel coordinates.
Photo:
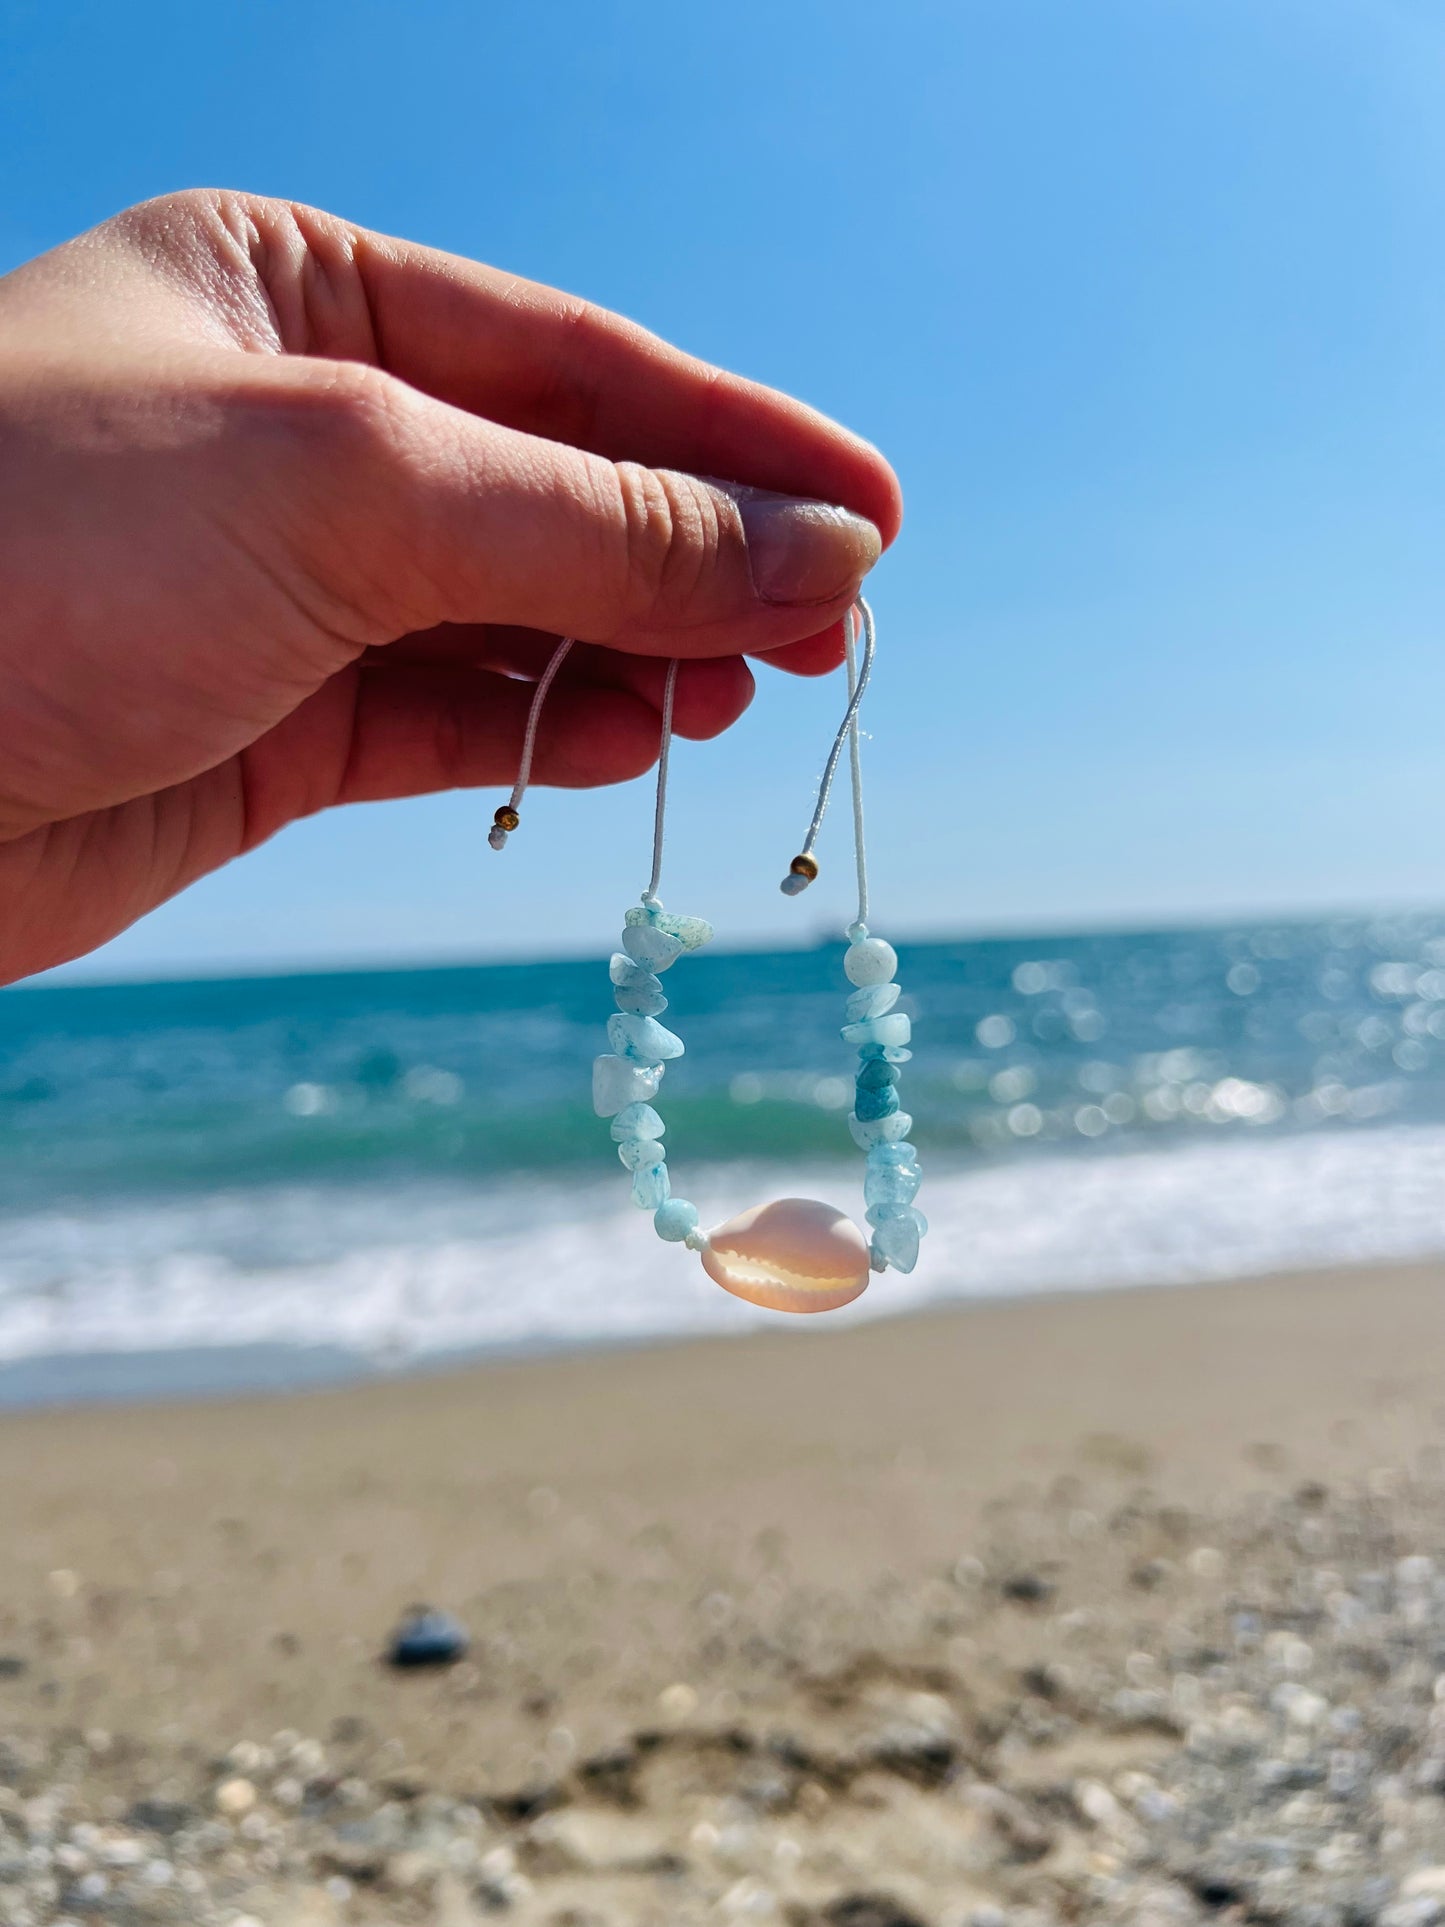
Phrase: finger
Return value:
(711, 693)
(545, 362)
(418, 730)
(816, 655)
(417, 513)
(526, 653)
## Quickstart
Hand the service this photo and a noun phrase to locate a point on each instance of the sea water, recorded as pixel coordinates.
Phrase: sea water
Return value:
(213, 1184)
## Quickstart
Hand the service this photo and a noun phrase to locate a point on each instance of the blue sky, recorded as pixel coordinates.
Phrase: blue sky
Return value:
(1144, 298)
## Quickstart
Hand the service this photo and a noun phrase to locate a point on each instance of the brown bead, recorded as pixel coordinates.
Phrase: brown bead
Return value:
(804, 866)
(506, 818)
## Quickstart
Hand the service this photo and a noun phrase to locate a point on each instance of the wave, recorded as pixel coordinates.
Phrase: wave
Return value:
(416, 1269)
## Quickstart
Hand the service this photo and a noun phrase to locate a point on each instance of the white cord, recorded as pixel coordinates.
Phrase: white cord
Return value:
(659, 813)
(804, 867)
(855, 763)
(497, 835)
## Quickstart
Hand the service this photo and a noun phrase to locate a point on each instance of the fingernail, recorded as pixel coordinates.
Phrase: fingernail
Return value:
(804, 552)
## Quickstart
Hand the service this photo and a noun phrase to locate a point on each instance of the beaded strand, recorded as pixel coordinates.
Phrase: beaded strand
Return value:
(627, 1078)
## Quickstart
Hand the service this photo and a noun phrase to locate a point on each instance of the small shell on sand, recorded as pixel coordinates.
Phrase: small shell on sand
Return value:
(792, 1255)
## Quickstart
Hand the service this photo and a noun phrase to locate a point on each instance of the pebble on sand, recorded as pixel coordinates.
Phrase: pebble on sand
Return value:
(427, 1637)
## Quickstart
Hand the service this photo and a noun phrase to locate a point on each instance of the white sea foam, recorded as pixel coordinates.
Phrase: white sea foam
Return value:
(413, 1270)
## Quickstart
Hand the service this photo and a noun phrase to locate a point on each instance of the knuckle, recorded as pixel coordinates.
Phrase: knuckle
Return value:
(354, 411)
(672, 533)
(367, 400)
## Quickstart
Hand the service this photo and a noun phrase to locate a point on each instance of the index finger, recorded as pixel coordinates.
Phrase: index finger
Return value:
(536, 359)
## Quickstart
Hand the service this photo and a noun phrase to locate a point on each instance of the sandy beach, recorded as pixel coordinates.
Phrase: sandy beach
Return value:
(1030, 1611)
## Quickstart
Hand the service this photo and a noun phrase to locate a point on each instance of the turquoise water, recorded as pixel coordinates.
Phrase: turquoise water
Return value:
(319, 1162)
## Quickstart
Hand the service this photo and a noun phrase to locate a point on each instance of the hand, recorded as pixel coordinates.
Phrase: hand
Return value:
(290, 513)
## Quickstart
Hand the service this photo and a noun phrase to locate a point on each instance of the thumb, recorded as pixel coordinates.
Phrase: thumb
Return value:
(435, 515)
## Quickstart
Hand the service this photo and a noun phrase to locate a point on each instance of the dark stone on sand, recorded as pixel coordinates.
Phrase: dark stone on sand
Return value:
(1150, 1573)
(1044, 1681)
(427, 1637)
(160, 1816)
(1216, 1886)
(528, 1804)
(927, 1763)
(611, 1776)
(1027, 1588)
(867, 1910)
(12, 1665)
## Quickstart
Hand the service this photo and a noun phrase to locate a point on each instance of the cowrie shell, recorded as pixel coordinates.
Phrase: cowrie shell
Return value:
(792, 1255)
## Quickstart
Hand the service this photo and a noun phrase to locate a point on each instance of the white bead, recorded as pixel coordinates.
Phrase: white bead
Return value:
(871, 961)
(792, 1255)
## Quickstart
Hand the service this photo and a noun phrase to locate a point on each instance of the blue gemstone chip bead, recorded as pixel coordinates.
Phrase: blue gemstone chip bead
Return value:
(635, 989)
(642, 1039)
(651, 1184)
(880, 1034)
(618, 1082)
(641, 1048)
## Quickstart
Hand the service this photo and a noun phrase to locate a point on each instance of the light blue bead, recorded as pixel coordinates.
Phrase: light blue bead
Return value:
(894, 1156)
(639, 1150)
(894, 1213)
(675, 1220)
(894, 1028)
(869, 1131)
(889, 1053)
(871, 1106)
(618, 1082)
(691, 932)
(636, 989)
(896, 1239)
(642, 1039)
(873, 1000)
(891, 1184)
(638, 1120)
(650, 1186)
(654, 949)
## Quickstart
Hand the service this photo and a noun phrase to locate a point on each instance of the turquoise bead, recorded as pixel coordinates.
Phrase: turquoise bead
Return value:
(896, 1238)
(638, 1120)
(674, 1220)
(618, 1082)
(639, 1150)
(871, 1131)
(636, 989)
(875, 1075)
(654, 949)
(889, 1053)
(650, 1186)
(642, 1039)
(870, 1105)
(894, 1028)
(873, 1000)
(891, 1184)
(691, 932)
(883, 1157)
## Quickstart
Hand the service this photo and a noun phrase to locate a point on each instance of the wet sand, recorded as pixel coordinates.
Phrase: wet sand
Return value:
(769, 1628)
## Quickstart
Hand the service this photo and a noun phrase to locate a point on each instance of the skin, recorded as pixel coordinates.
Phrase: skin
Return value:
(292, 514)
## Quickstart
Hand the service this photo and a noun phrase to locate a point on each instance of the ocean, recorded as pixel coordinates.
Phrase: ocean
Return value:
(229, 1183)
